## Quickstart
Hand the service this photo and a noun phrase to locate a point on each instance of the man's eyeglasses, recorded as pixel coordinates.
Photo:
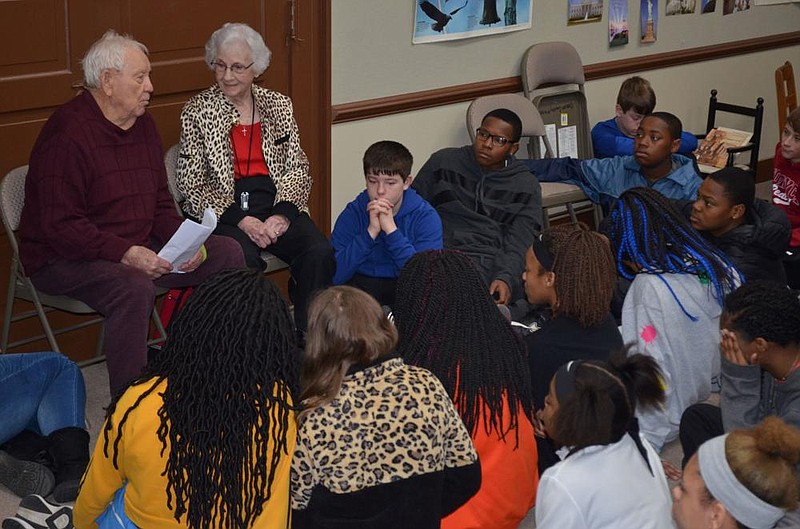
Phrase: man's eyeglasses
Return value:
(497, 141)
(221, 67)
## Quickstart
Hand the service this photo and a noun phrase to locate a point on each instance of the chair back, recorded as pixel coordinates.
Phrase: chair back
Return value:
(12, 199)
(756, 113)
(171, 165)
(553, 79)
(532, 124)
(787, 93)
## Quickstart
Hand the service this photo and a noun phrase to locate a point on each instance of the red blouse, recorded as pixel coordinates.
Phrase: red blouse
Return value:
(248, 158)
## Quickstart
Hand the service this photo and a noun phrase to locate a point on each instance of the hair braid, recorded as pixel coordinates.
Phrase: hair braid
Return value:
(231, 374)
(645, 228)
(584, 270)
(449, 324)
(765, 309)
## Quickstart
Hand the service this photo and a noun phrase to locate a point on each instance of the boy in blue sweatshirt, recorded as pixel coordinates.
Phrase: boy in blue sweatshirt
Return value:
(615, 136)
(384, 226)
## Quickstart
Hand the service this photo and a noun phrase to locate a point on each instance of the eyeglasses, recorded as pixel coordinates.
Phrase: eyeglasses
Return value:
(497, 141)
(221, 67)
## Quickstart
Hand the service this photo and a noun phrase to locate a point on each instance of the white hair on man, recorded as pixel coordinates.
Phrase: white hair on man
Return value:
(108, 53)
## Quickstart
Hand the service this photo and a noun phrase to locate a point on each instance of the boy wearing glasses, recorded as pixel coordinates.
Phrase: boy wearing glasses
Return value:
(489, 202)
(384, 226)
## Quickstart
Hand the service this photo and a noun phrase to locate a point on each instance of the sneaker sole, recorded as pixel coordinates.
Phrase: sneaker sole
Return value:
(25, 477)
(35, 512)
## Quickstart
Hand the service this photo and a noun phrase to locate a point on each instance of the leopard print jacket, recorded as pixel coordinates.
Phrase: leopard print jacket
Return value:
(389, 422)
(205, 162)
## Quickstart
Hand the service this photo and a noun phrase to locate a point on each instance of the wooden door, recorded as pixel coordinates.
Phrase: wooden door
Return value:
(43, 42)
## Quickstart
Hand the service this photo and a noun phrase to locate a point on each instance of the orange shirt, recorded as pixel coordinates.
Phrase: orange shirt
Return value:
(509, 476)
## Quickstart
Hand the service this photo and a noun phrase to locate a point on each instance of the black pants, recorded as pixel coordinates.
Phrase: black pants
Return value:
(305, 249)
(380, 288)
(307, 252)
(699, 423)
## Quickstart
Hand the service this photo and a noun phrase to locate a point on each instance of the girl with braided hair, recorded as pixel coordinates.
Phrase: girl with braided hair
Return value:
(380, 444)
(671, 311)
(760, 350)
(611, 476)
(204, 437)
(570, 270)
(449, 324)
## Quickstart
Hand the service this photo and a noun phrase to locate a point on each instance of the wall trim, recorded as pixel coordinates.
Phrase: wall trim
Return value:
(384, 106)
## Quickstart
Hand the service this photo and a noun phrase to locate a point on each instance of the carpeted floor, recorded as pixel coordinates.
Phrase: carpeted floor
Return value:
(97, 398)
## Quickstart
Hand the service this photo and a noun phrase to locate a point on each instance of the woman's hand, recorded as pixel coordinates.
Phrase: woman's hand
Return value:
(274, 227)
(256, 230)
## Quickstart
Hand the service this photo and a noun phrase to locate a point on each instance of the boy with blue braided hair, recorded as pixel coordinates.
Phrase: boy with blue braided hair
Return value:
(672, 309)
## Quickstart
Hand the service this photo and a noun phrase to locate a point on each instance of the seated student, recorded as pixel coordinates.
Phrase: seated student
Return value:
(448, 324)
(786, 189)
(44, 446)
(747, 478)
(380, 444)
(760, 351)
(204, 437)
(489, 203)
(672, 309)
(384, 226)
(751, 231)
(570, 270)
(653, 164)
(615, 137)
(610, 477)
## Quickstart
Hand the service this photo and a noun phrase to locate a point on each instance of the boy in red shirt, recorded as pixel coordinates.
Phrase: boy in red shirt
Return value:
(786, 192)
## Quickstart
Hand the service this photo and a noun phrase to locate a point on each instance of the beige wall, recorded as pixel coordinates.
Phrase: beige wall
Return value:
(376, 59)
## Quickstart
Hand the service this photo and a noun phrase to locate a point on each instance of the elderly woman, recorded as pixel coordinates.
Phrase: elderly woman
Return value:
(240, 155)
(747, 478)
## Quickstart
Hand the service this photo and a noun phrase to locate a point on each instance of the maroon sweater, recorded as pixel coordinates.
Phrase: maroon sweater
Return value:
(94, 190)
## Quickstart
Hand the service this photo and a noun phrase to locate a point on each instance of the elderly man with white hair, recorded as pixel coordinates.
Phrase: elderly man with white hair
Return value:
(97, 205)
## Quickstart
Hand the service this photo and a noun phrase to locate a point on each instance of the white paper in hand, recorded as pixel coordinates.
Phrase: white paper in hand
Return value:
(188, 239)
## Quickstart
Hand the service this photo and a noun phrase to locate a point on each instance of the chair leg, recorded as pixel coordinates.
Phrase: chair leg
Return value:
(51, 339)
(101, 338)
(12, 289)
(571, 210)
(162, 333)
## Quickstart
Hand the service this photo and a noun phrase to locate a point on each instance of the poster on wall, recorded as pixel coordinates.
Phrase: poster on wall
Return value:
(709, 6)
(735, 6)
(649, 19)
(617, 23)
(439, 20)
(582, 11)
(680, 7)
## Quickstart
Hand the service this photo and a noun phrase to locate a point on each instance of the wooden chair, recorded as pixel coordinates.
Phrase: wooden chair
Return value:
(787, 93)
(756, 113)
(12, 199)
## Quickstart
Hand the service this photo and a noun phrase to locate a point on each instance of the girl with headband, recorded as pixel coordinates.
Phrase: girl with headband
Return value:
(611, 476)
(744, 479)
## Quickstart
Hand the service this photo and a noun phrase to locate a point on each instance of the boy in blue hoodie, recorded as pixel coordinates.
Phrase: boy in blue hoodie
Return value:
(384, 226)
